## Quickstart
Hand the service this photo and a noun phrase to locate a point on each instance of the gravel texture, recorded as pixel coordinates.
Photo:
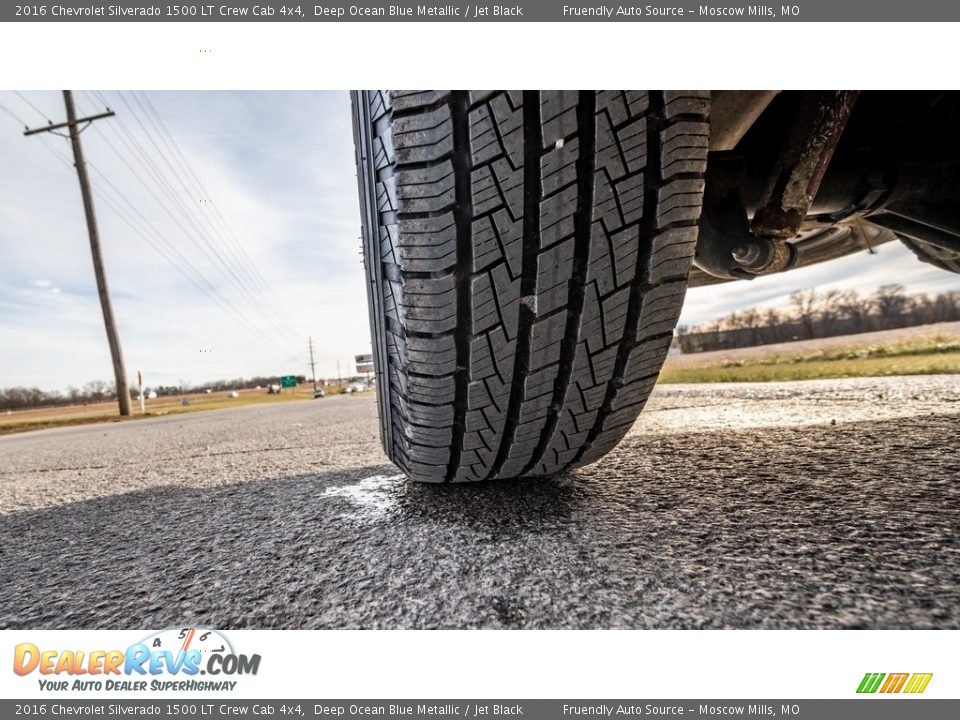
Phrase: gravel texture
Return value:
(825, 504)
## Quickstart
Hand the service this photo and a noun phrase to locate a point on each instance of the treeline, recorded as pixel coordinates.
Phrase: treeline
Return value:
(813, 314)
(96, 391)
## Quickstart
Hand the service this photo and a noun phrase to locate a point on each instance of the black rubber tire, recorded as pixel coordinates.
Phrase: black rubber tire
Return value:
(527, 257)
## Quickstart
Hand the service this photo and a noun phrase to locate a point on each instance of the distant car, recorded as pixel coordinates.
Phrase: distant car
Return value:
(273, 389)
(318, 393)
(356, 387)
(233, 394)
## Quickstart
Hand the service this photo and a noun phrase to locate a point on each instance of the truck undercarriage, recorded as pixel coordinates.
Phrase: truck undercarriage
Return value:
(798, 177)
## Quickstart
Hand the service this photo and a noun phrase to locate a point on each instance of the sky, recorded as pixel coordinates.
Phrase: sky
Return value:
(274, 235)
(278, 167)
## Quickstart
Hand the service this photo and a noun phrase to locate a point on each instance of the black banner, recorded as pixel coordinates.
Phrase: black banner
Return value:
(524, 11)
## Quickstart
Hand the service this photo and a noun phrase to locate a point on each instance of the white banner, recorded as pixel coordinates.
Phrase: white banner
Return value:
(461, 664)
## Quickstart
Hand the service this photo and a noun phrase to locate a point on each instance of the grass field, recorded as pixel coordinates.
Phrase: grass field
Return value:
(23, 420)
(934, 355)
(925, 350)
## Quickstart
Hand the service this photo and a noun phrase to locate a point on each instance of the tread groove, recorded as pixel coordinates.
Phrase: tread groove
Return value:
(583, 233)
(532, 195)
(649, 228)
(460, 112)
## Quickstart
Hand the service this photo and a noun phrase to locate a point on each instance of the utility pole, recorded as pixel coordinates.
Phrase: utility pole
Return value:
(313, 369)
(72, 124)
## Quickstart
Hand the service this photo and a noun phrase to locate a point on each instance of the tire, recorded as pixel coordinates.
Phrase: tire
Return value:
(527, 257)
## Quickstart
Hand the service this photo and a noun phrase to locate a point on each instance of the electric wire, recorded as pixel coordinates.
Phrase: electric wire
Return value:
(197, 237)
(159, 177)
(210, 291)
(12, 114)
(234, 249)
(28, 102)
(246, 263)
(158, 243)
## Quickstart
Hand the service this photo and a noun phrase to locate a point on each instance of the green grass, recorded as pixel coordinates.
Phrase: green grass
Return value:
(932, 356)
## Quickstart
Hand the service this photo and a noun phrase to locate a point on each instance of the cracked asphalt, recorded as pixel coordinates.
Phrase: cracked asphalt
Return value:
(825, 504)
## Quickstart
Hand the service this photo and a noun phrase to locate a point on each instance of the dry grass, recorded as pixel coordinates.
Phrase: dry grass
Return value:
(24, 420)
(930, 356)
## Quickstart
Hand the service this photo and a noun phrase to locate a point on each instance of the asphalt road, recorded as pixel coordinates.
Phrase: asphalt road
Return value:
(828, 504)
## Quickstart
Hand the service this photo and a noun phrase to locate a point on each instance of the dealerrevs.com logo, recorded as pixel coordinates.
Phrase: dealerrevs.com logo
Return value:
(885, 683)
(169, 660)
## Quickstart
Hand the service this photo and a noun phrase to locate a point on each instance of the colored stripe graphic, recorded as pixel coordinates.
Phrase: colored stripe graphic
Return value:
(918, 682)
(870, 682)
(894, 682)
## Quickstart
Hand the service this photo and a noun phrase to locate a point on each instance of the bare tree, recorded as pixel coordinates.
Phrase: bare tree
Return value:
(828, 312)
(855, 309)
(890, 301)
(752, 320)
(822, 315)
(97, 390)
(805, 306)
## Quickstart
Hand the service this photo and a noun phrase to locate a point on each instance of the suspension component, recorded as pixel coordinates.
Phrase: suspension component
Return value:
(806, 152)
(730, 245)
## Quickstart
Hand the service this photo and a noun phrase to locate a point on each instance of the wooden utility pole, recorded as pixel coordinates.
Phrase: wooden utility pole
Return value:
(313, 369)
(72, 124)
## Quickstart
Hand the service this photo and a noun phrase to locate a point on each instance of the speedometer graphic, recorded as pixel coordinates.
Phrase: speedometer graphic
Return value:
(183, 639)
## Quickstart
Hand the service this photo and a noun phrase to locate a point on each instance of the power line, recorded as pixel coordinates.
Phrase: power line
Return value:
(27, 101)
(184, 163)
(132, 223)
(244, 263)
(12, 114)
(157, 175)
(213, 293)
(138, 153)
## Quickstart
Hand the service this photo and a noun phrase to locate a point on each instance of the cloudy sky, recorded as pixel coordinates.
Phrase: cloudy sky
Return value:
(252, 198)
(278, 167)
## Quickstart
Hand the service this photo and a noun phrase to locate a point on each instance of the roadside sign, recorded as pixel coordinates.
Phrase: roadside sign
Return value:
(364, 364)
(288, 381)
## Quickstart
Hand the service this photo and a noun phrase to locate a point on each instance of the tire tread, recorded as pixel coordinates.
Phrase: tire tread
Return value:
(531, 250)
